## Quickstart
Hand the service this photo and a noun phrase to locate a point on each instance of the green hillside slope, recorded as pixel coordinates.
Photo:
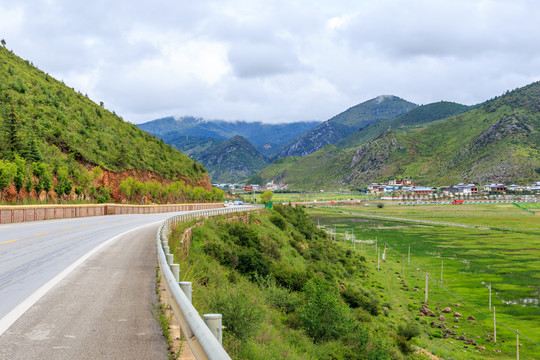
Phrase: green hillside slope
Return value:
(233, 160)
(52, 132)
(60, 121)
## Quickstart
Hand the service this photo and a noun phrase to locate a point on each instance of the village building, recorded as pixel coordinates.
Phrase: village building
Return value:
(423, 190)
(495, 187)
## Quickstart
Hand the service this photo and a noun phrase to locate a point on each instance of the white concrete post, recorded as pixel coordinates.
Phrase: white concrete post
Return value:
(186, 288)
(166, 249)
(170, 259)
(175, 268)
(213, 321)
(442, 265)
(378, 259)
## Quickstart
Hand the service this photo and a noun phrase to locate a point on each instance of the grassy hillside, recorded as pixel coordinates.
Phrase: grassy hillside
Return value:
(286, 290)
(52, 136)
(60, 121)
(498, 142)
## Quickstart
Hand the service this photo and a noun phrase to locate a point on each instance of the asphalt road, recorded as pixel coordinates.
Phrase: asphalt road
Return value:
(80, 289)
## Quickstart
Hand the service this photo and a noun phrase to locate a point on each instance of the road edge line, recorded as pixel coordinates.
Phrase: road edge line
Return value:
(11, 317)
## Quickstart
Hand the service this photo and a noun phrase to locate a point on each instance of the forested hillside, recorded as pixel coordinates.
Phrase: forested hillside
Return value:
(52, 136)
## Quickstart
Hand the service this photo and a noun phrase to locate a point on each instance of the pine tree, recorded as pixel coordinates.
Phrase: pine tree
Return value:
(14, 144)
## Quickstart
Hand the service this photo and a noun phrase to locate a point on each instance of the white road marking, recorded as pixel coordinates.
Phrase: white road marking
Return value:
(20, 309)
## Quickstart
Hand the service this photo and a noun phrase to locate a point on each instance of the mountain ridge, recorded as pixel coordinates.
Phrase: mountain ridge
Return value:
(347, 122)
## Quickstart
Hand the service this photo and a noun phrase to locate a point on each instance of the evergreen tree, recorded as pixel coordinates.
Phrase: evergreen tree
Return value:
(13, 141)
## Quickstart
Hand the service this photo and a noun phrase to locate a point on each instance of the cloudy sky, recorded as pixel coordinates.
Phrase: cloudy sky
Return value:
(276, 61)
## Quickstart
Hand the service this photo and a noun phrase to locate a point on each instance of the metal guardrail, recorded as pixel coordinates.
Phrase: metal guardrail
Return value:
(202, 341)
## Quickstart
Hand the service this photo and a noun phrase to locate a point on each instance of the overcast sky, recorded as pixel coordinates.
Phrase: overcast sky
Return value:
(276, 61)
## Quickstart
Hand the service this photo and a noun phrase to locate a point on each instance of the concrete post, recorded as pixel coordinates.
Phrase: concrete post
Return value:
(170, 259)
(186, 288)
(175, 268)
(213, 321)
(166, 249)
(442, 262)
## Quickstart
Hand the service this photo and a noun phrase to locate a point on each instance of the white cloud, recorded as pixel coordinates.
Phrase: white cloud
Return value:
(276, 60)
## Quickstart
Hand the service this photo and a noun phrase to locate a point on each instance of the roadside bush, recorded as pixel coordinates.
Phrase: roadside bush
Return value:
(243, 235)
(380, 205)
(408, 330)
(242, 315)
(252, 263)
(277, 296)
(289, 277)
(323, 316)
(358, 299)
(279, 221)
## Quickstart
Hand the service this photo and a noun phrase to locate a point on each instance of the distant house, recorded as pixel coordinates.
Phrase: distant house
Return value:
(515, 187)
(400, 182)
(461, 189)
(495, 187)
(422, 190)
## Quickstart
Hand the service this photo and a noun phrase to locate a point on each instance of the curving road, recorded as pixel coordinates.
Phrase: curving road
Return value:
(80, 288)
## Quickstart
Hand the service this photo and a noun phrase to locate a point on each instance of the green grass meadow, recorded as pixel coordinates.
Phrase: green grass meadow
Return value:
(500, 245)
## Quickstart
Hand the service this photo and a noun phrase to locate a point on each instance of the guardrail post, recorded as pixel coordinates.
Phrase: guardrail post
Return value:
(213, 321)
(166, 249)
(186, 288)
(175, 268)
(170, 259)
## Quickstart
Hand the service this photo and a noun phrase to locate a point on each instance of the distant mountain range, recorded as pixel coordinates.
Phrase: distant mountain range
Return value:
(202, 139)
(437, 144)
(196, 135)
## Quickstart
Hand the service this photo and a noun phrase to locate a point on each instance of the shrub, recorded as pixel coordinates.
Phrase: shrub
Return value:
(242, 315)
(358, 299)
(252, 263)
(243, 235)
(279, 221)
(380, 205)
(289, 277)
(323, 316)
(278, 297)
(408, 330)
